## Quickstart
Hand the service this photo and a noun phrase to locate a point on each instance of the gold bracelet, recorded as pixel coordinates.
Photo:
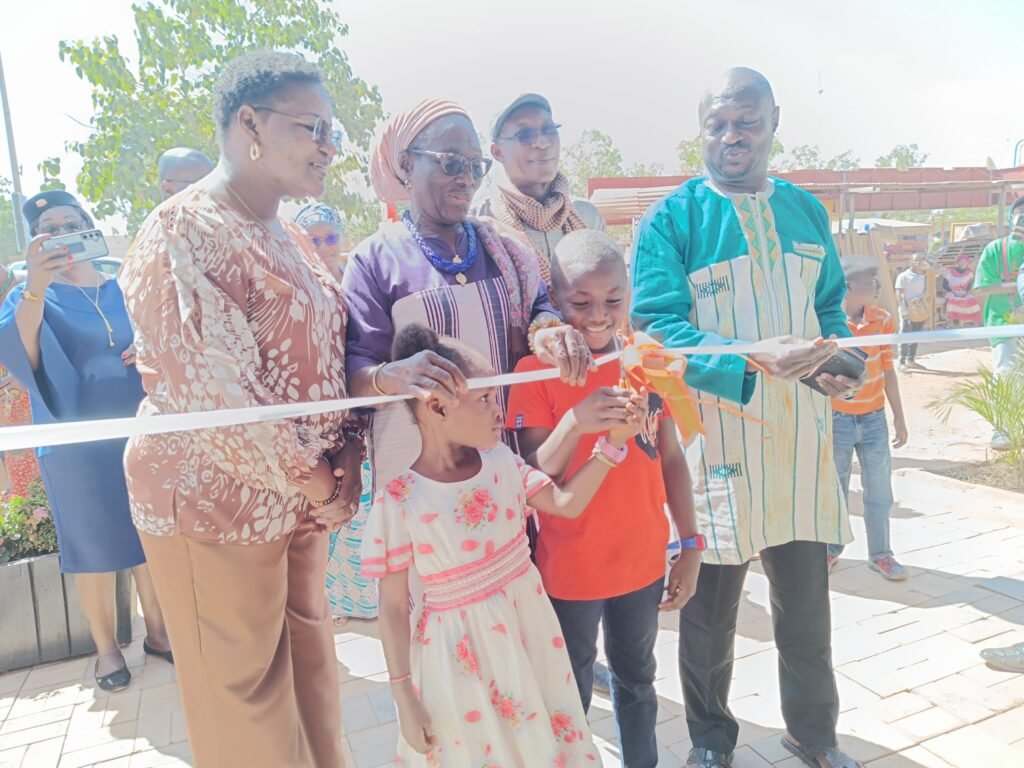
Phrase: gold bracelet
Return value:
(373, 379)
(604, 459)
(31, 296)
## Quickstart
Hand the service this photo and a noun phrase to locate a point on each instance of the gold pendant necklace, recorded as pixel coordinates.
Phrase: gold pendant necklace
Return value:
(96, 305)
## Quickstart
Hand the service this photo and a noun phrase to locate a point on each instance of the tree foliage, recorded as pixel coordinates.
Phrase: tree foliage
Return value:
(164, 97)
(808, 156)
(593, 156)
(8, 241)
(902, 157)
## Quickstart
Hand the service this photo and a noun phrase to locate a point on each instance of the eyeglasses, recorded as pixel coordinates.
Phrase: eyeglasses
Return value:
(529, 136)
(452, 163)
(321, 129)
(328, 240)
(67, 228)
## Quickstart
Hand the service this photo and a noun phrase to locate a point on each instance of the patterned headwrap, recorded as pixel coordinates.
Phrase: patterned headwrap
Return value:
(315, 213)
(399, 132)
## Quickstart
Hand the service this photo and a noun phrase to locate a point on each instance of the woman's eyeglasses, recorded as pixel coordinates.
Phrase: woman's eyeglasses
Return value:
(321, 129)
(67, 228)
(328, 240)
(454, 164)
(529, 136)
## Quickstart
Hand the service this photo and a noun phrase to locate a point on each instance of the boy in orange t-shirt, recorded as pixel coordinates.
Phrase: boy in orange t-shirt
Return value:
(609, 564)
(859, 424)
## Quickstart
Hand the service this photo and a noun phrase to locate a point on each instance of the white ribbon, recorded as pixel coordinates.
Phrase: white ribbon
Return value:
(70, 432)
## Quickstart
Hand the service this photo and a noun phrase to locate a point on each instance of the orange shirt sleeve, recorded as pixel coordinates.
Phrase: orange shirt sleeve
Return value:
(888, 351)
(530, 405)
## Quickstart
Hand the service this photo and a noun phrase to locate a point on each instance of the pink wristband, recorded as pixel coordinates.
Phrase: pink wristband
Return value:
(616, 455)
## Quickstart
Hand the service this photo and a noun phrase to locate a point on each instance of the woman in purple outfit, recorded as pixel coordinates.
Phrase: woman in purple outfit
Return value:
(437, 267)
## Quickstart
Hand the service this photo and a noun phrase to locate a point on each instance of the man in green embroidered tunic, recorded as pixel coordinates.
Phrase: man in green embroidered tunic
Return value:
(735, 257)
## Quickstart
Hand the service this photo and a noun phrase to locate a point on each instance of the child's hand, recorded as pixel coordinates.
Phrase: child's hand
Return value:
(603, 409)
(682, 580)
(417, 730)
(634, 425)
(899, 438)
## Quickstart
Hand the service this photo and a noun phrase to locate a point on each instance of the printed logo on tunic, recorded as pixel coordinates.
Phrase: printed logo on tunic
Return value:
(707, 289)
(811, 250)
(647, 440)
(725, 471)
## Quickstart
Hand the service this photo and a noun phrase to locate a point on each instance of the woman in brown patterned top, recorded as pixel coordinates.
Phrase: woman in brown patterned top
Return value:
(233, 308)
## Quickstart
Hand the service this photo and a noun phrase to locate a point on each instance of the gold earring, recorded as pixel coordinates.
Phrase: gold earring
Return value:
(407, 184)
(254, 151)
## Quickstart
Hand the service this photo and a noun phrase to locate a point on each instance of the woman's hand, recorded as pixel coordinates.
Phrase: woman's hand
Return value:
(347, 465)
(320, 487)
(565, 348)
(424, 375)
(128, 356)
(43, 266)
(682, 580)
(413, 719)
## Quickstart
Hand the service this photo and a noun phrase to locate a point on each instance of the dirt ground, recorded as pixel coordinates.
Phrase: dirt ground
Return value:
(933, 445)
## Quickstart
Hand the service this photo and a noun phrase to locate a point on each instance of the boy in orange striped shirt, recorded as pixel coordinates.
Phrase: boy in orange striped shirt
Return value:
(859, 424)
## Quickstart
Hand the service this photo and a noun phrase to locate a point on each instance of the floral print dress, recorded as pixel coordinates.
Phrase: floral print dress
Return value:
(488, 656)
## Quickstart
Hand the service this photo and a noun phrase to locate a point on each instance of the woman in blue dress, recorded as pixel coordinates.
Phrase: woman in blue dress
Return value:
(65, 335)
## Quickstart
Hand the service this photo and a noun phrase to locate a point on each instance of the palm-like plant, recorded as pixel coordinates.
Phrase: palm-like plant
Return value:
(999, 400)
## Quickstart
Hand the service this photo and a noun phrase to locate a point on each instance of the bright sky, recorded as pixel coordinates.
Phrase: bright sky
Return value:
(942, 73)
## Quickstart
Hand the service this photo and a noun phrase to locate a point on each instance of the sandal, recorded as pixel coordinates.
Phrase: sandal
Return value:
(819, 757)
(115, 681)
(149, 650)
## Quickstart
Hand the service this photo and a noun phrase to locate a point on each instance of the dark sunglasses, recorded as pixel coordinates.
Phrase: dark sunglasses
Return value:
(452, 163)
(67, 228)
(321, 129)
(530, 135)
(328, 240)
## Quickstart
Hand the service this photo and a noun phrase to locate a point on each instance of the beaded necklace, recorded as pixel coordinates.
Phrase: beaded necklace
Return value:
(457, 266)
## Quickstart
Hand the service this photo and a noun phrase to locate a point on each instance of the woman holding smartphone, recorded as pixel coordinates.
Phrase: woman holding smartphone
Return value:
(65, 336)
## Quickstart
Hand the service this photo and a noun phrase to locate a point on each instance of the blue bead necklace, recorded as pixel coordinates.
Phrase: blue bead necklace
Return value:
(457, 266)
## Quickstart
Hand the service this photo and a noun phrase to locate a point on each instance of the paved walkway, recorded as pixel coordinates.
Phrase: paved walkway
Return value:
(914, 692)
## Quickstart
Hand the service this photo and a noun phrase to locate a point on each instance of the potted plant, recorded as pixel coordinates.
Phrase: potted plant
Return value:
(42, 618)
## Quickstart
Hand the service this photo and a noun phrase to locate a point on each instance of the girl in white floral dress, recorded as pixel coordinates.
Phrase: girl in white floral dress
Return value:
(479, 673)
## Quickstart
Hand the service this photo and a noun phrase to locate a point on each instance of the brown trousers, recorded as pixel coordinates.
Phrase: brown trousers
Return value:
(253, 646)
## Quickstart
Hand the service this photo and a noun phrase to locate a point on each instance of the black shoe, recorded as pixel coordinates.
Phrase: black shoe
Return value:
(149, 650)
(115, 681)
(700, 757)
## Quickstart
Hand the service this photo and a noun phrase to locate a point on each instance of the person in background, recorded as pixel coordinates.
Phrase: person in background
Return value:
(233, 309)
(66, 337)
(21, 467)
(325, 228)
(535, 198)
(995, 287)
(732, 257)
(859, 424)
(559, 427)
(962, 308)
(179, 168)
(352, 595)
(910, 289)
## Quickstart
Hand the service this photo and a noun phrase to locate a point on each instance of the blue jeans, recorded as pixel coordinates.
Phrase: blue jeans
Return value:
(630, 631)
(868, 435)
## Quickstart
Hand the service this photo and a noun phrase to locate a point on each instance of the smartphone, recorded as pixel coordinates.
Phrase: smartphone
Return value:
(846, 362)
(82, 246)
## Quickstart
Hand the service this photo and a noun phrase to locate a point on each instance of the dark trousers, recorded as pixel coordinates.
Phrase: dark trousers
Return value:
(798, 590)
(630, 631)
(908, 352)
